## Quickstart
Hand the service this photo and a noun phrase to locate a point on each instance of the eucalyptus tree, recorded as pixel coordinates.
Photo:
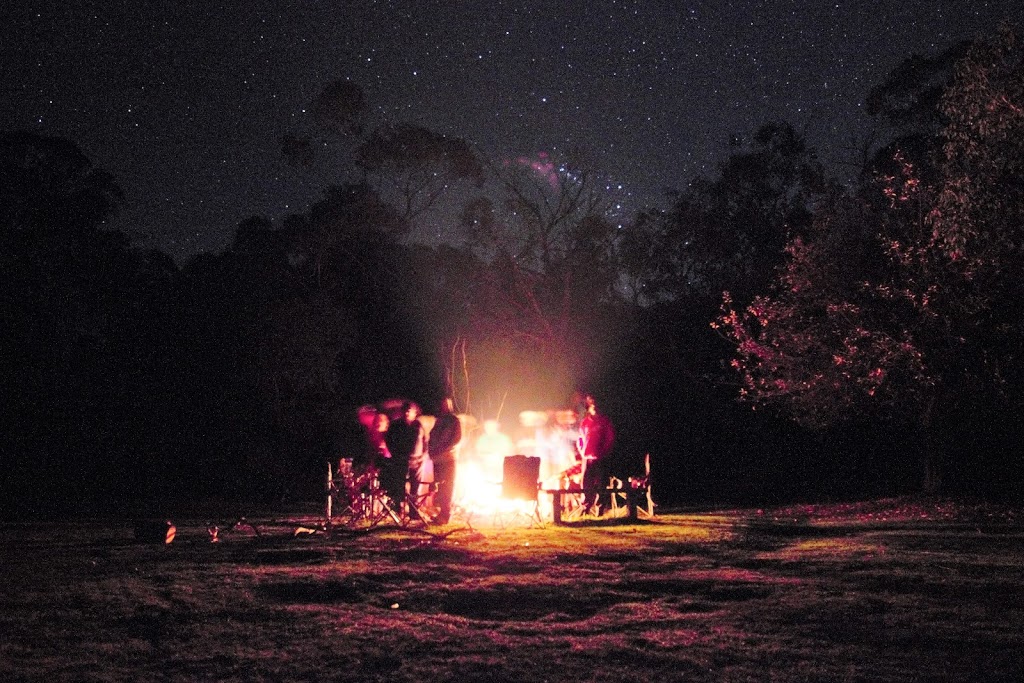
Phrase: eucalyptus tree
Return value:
(920, 326)
(414, 167)
(548, 242)
(728, 232)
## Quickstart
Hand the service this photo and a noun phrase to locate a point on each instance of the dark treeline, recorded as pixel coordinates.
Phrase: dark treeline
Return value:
(872, 328)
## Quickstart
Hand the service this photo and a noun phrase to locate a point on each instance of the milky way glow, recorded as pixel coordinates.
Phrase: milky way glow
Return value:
(542, 166)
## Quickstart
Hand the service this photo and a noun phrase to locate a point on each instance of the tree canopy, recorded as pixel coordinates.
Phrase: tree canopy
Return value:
(924, 324)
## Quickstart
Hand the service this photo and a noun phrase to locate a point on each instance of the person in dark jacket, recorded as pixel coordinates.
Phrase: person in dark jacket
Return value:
(444, 439)
(406, 441)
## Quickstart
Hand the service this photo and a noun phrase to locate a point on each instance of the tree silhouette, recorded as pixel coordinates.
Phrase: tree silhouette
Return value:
(547, 250)
(88, 338)
(414, 167)
(47, 184)
(907, 105)
(728, 232)
(922, 323)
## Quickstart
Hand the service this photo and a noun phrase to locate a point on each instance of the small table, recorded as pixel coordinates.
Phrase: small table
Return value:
(634, 496)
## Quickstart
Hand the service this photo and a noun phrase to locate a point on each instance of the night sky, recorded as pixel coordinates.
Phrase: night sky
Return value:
(185, 102)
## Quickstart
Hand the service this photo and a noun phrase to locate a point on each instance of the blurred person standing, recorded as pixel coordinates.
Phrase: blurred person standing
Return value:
(491, 448)
(407, 442)
(597, 436)
(376, 448)
(444, 440)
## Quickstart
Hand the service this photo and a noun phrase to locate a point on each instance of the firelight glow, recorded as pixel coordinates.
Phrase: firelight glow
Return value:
(478, 486)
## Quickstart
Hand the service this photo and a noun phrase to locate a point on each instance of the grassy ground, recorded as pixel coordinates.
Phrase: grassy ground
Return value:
(882, 591)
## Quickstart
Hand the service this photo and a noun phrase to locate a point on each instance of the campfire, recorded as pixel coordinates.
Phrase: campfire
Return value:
(549, 436)
(483, 489)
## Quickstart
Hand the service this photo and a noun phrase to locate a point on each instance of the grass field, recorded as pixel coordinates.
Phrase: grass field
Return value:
(889, 590)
